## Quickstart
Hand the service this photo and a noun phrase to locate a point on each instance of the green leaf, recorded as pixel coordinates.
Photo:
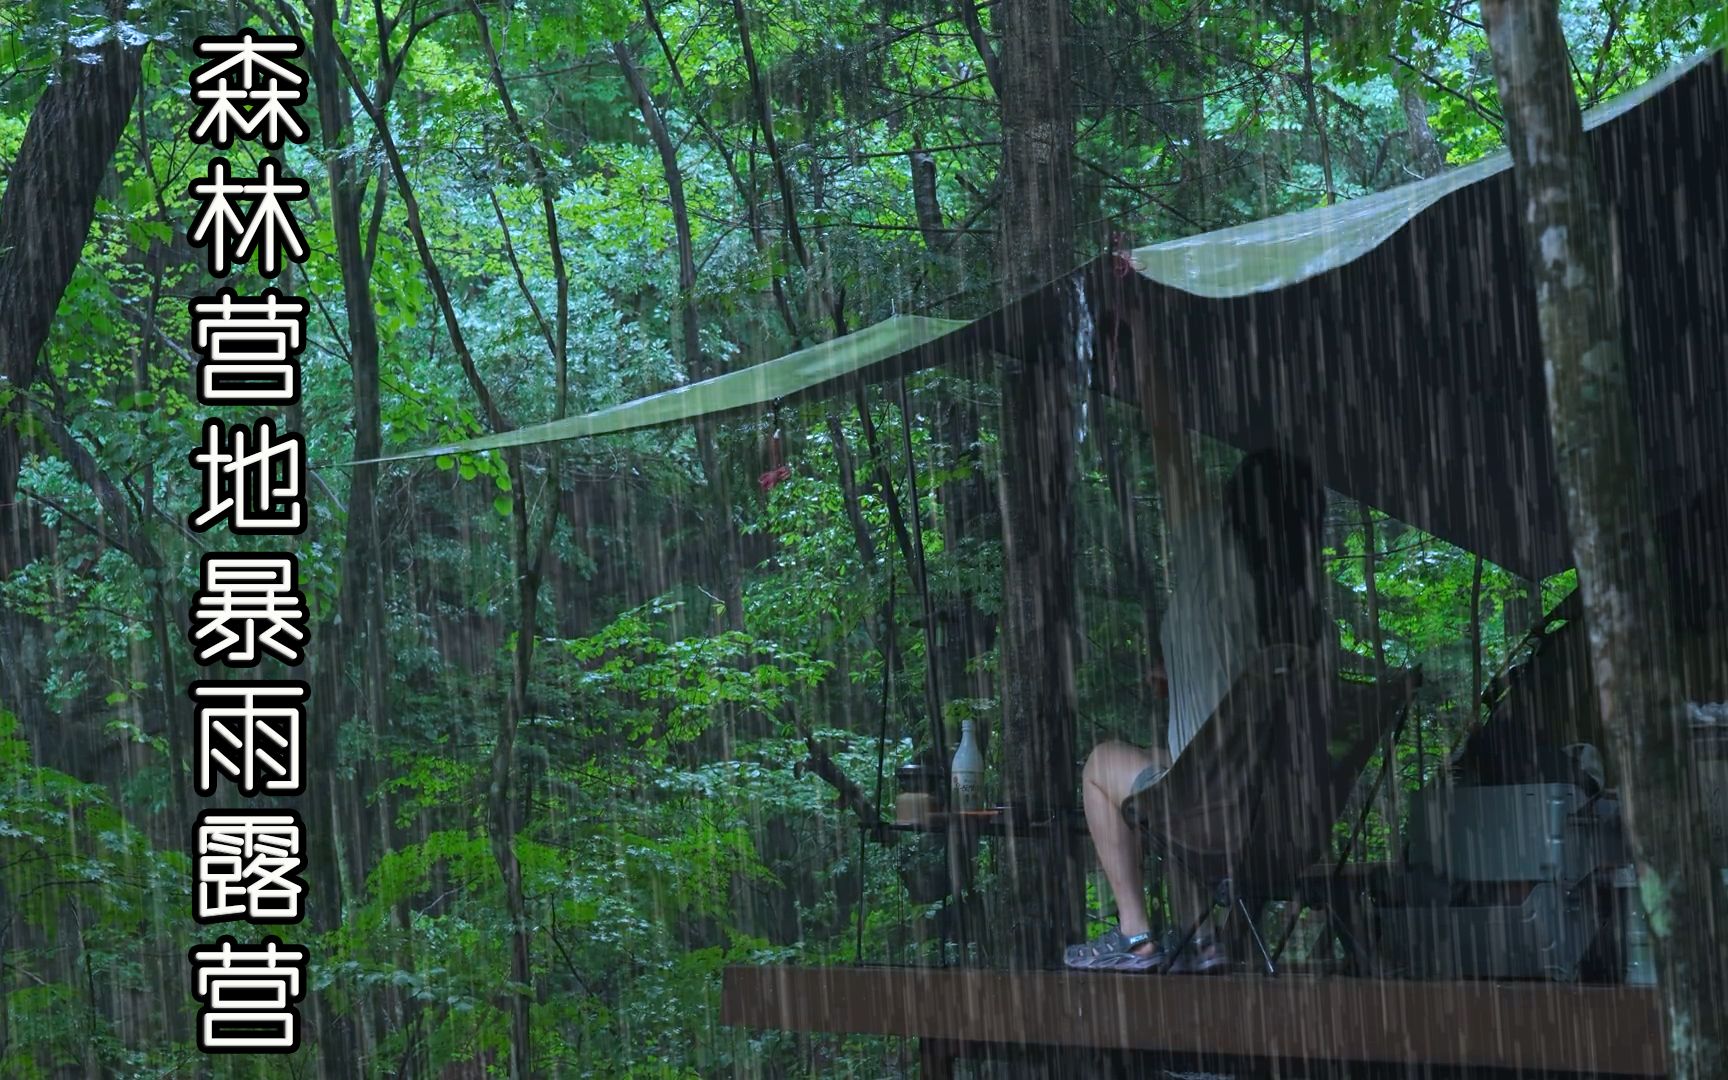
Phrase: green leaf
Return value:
(502, 505)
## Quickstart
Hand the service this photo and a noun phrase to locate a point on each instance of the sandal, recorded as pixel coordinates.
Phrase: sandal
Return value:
(1112, 951)
(1202, 956)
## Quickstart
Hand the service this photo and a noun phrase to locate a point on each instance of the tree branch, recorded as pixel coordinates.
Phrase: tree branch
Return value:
(765, 117)
(1476, 107)
(975, 31)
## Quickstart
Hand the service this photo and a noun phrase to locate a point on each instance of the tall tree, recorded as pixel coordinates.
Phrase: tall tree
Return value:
(1598, 453)
(1039, 709)
(529, 545)
(45, 215)
(359, 623)
(690, 329)
(1426, 157)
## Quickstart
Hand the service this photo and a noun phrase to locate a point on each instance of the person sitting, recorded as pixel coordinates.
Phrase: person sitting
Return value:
(1247, 578)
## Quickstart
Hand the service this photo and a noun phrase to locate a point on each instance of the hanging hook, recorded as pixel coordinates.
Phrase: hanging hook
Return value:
(778, 470)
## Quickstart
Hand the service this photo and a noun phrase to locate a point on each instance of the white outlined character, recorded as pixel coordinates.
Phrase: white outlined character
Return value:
(248, 993)
(248, 866)
(249, 344)
(266, 227)
(222, 117)
(270, 226)
(250, 733)
(246, 71)
(256, 57)
(252, 478)
(218, 224)
(248, 602)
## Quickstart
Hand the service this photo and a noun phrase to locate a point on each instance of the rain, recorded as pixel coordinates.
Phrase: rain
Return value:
(783, 539)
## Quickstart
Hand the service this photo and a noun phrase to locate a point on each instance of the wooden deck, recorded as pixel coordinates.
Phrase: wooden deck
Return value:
(1457, 1026)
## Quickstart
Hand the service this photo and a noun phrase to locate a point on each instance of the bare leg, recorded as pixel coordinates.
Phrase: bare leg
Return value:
(1108, 778)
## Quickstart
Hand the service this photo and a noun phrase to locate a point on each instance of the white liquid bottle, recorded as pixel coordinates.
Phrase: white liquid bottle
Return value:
(967, 772)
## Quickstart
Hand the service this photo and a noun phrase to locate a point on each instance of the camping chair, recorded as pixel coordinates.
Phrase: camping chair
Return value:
(1250, 803)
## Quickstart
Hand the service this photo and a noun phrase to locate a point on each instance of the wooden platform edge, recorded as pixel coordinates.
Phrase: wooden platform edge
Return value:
(1524, 1026)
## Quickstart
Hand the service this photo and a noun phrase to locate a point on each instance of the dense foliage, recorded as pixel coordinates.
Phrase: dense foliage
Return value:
(723, 661)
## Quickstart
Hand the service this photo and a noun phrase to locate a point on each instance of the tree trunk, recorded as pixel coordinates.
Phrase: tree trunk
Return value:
(1197, 168)
(1426, 157)
(1389, 790)
(1040, 908)
(508, 810)
(1475, 641)
(360, 625)
(690, 338)
(526, 562)
(330, 799)
(1315, 119)
(1620, 572)
(1520, 607)
(49, 202)
(45, 215)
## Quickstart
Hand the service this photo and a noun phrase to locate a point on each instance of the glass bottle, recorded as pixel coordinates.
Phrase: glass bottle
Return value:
(967, 772)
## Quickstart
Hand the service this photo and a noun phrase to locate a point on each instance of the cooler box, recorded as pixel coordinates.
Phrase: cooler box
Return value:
(1518, 832)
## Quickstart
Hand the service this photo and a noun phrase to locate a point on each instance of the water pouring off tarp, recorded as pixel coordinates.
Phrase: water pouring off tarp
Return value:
(1391, 338)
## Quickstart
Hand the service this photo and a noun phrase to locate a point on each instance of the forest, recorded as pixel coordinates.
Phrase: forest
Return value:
(591, 720)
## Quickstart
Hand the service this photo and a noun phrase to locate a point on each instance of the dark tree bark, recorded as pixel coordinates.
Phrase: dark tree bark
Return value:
(507, 808)
(1315, 119)
(765, 118)
(981, 42)
(1389, 791)
(50, 200)
(1620, 571)
(747, 193)
(1371, 586)
(527, 548)
(361, 600)
(1426, 157)
(45, 215)
(360, 626)
(923, 165)
(45, 218)
(967, 632)
(1040, 909)
(690, 334)
(1475, 639)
